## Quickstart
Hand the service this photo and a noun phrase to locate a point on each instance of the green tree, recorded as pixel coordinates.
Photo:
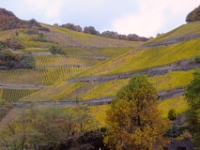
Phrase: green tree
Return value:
(192, 96)
(133, 120)
(172, 114)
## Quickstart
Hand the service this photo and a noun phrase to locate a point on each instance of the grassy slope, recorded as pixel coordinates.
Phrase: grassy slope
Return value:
(191, 29)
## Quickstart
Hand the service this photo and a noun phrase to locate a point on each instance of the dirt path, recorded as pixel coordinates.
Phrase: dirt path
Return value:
(11, 115)
(21, 86)
(95, 102)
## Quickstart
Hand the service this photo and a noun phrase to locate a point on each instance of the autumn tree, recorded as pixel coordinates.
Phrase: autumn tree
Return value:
(47, 128)
(192, 96)
(193, 15)
(133, 120)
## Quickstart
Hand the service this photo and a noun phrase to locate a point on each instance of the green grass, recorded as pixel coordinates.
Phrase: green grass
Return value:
(146, 58)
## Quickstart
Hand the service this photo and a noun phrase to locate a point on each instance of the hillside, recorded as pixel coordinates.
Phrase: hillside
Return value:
(165, 66)
(106, 78)
(183, 33)
(77, 52)
(91, 69)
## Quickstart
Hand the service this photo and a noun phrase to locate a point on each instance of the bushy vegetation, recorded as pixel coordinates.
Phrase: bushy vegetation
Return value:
(192, 97)
(8, 60)
(109, 34)
(172, 114)
(4, 108)
(55, 50)
(46, 128)
(9, 21)
(66, 37)
(27, 61)
(197, 59)
(194, 15)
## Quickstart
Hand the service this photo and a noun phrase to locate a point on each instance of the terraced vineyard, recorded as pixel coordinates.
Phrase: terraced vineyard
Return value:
(65, 61)
(180, 34)
(146, 58)
(12, 95)
(95, 90)
(37, 76)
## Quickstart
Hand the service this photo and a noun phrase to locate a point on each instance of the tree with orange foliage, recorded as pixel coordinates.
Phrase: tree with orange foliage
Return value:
(133, 120)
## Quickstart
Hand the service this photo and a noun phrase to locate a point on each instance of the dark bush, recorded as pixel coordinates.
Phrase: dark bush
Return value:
(27, 61)
(197, 59)
(55, 50)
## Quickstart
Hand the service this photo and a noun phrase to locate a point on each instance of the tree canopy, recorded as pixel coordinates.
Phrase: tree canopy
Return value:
(133, 119)
(193, 15)
(192, 96)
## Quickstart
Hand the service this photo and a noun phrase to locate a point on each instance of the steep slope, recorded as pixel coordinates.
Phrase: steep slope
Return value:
(183, 33)
(176, 56)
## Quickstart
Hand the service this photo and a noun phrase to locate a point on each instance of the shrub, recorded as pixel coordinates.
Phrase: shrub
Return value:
(187, 135)
(197, 59)
(27, 61)
(172, 114)
(8, 59)
(55, 50)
